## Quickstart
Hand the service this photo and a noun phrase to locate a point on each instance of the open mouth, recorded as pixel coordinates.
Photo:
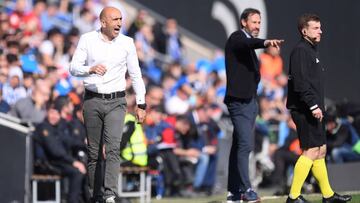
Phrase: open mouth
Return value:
(117, 30)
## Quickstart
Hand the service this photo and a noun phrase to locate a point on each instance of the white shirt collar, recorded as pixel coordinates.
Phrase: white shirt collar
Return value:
(101, 36)
(247, 34)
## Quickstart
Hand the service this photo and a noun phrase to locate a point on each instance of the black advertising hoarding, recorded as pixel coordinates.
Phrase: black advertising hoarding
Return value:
(213, 20)
(16, 162)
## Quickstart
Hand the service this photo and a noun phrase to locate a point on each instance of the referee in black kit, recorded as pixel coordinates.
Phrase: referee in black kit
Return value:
(306, 104)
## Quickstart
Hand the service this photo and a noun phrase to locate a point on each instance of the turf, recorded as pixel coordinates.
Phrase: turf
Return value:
(316, 198)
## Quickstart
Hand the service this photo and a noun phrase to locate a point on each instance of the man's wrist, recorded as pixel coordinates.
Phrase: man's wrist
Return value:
(314, 107)
(142, 106)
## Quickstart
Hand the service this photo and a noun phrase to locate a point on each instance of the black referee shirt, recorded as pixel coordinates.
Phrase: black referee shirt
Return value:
(306, 78)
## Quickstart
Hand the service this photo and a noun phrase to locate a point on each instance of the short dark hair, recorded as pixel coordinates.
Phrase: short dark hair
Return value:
(247, 12)
(11, 58)
(305, 19)
(53, 31)
(60, 102)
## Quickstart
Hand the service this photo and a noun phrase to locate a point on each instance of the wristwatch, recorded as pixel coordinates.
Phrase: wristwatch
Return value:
(142, 106)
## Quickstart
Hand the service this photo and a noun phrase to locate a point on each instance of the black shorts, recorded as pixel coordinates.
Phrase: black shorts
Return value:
(310, 130)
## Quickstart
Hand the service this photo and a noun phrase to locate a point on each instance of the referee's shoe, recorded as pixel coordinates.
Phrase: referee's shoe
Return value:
(336, 198)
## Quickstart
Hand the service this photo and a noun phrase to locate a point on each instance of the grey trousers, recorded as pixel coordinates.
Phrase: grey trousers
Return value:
(104, 121)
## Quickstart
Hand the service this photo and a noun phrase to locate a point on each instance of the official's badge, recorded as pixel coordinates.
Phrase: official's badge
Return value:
(45, 133)
(76, 131)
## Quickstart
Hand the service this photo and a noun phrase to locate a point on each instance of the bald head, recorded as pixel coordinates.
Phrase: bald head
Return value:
(110, 19)
(108, 11)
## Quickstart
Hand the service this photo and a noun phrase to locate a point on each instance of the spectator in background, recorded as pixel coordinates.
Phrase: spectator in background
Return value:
(161, 142)
(4, 106)
(133, 144)
(144, 45)
(4, 74)
(33, 108)
(284, 157)
(187, 151)
(271, 64)
(13, 90)
(180, 100)
(13, 47)
(56, 15)
(168, 83)
(75, 131)
(154, 96)
(52, 49)
(341, 137)
(70, 42)
(52, 137)
(173, 41)
(4, 25)
(16, 18)
(78, 127)
(28, 83)
(137, 24)
(85, 23)
(12, 58)
(206, 143)
(32, 19)
(52, 77)
(66, 108)
(242, 72)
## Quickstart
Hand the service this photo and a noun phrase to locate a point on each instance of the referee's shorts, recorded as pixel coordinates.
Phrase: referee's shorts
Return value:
(311, 131)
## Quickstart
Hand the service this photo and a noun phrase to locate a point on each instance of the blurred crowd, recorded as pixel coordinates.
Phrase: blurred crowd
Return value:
(186, 116)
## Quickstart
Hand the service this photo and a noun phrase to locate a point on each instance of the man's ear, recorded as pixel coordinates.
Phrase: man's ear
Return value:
(303, 32)
(243, 22)
(102, 22)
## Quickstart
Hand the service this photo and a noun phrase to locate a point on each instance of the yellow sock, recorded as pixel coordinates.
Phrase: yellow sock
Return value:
(320, 173)
(301, 171)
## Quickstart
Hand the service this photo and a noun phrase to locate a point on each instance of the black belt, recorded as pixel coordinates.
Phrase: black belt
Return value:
(112, 95)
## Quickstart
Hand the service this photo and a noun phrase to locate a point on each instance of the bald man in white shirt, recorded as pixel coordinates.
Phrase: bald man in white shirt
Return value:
(103, 57)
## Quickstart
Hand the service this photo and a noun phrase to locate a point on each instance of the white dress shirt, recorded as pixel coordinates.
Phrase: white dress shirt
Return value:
(118, 56)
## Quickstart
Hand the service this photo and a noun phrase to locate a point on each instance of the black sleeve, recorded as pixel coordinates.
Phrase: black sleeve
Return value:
(299, 74)
(239, 42)
(53, 147)
(128, 131)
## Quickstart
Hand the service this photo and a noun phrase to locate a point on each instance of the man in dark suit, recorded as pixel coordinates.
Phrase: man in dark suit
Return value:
(306, 104)
(242, 70)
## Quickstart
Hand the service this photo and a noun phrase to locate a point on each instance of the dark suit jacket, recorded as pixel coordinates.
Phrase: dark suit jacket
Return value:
(306, 82)
(242, 66)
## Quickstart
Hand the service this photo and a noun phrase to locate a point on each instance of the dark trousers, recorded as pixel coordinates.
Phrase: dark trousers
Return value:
(243, 114)
(104, 121)
(75, 182)
(282, 159)
(171, 170)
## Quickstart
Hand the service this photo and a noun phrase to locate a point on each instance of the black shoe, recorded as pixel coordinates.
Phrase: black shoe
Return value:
(336, 198)
(300, 199)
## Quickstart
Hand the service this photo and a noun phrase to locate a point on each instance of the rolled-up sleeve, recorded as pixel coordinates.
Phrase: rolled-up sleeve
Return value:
(135, 73)
(78, 65)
